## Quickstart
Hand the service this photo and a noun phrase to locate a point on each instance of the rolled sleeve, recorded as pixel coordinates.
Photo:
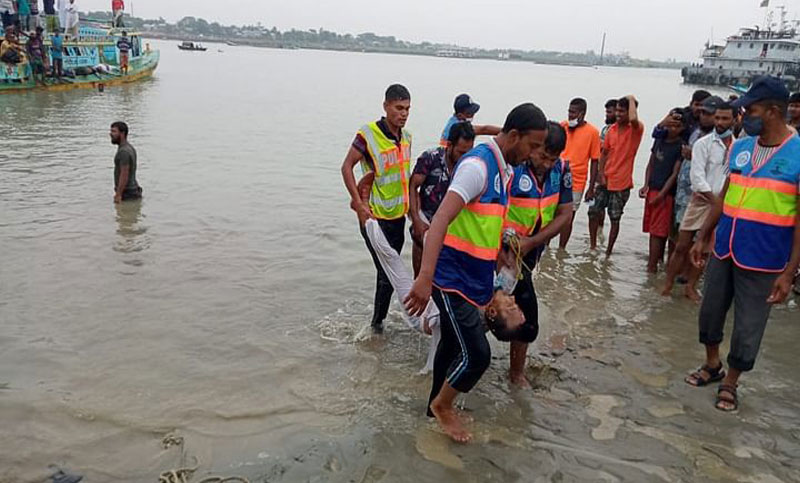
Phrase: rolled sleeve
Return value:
(697, 173)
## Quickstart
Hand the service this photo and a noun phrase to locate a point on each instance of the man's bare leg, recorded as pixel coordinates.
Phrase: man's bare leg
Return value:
(594, 225)
(678, 260)
(516, 372)
(690, 291)
(612, 237)
(443, 408)
(566, 233)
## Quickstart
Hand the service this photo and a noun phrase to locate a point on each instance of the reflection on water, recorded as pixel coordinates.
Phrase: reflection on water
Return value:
(233, 306)
(132, 232)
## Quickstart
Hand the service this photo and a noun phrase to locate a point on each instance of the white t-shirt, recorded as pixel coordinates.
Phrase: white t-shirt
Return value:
(469, 180)
(471, 177)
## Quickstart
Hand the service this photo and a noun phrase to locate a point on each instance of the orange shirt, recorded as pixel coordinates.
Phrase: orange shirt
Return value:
(621, 146)
(583, 145)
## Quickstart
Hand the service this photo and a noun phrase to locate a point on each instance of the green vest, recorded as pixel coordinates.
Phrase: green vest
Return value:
(392, 164)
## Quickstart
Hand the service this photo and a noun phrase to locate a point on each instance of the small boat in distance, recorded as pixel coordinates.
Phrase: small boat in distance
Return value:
(192, 47)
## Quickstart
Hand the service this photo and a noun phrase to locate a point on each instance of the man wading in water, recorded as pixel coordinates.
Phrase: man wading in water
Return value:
(125, 185)
(757, 249)
(460, 257)
(383, 148)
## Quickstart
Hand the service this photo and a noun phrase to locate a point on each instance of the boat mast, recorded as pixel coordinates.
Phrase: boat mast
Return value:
(603, 48)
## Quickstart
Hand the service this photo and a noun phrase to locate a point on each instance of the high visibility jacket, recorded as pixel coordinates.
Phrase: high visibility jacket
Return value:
(530, 203)
(469, 256)
(757, 224)
(392, 164)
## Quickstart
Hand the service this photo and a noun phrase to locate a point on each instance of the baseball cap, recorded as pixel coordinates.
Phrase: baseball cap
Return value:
(711, 104)
(763, 88)
(464, 104)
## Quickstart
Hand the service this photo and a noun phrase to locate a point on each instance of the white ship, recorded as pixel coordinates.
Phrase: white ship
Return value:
(771, 50)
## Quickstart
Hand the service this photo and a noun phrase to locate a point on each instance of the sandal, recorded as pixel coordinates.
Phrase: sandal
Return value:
(696, 378)
(732, 398)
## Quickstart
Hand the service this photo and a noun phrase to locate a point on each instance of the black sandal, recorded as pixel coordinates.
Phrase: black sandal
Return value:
(715, 375)
(733, 399)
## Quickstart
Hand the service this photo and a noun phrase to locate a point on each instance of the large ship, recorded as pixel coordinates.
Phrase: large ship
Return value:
(91, 61)
(773, 49)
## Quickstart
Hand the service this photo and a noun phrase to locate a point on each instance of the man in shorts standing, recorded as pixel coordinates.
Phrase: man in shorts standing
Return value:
(615, 171)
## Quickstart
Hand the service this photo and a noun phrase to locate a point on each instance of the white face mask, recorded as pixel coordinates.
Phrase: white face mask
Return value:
(573, 123)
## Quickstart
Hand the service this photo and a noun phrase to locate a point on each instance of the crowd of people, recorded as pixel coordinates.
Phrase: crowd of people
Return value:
(721, 192)
(22, 18)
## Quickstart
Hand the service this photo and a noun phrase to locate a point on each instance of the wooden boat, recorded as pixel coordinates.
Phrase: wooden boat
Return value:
(191, 46)
(90, 62)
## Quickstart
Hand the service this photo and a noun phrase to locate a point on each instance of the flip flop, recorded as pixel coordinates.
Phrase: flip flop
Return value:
(733, 399)
(715, 375)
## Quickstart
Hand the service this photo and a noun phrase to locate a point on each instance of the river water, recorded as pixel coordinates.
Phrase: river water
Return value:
(229, 308)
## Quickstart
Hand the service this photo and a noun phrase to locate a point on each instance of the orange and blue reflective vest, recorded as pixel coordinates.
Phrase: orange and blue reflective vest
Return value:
(757, 225)
(392, 164)
(531, 205)
(469, 256)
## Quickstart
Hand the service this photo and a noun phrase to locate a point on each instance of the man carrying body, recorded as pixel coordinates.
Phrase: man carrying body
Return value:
(583, 148)
(465, 109)
(125, 185)
(430, 180)
(709, 170)
(539, 207)
(384, 148)
(124, 46)
(757, 248)
(460, 257)
(615, 171)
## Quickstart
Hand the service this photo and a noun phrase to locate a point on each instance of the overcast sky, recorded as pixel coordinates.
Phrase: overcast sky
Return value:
(646, 28)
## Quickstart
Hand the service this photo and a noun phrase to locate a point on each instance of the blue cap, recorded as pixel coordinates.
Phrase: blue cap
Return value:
(464, 104)
(763, 88)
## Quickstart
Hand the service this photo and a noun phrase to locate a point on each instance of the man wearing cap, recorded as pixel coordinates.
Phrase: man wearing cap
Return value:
(756, 222)
(383, 147)
(465, 109)
(707, 171)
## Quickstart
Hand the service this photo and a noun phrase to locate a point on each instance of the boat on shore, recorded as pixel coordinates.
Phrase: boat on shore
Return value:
(91, 61)
(773, 49)
(193, 47)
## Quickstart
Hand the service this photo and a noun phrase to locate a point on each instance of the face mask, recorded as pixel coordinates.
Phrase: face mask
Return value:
(753, 126)
(573, 123)
(725, 134)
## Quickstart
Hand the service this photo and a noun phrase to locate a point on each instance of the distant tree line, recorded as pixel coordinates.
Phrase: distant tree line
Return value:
(192, 28)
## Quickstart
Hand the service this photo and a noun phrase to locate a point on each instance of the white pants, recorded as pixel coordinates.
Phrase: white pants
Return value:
(402, 281)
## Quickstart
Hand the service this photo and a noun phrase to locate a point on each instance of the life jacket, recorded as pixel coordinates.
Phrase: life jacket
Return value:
(392, 164)
(469, 256)
(756, 228)
(529, 203)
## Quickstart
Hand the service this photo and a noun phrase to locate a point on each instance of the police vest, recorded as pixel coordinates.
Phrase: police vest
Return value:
(469, 256)
(756, 228)
(530, 203)
(392, 163)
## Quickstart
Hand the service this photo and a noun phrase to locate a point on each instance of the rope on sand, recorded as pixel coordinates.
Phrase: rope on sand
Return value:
(185, 474)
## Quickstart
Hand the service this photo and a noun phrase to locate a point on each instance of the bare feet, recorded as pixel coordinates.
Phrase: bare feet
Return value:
(450, 422)
(667, 290)
(519, 380)
(692, 294)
